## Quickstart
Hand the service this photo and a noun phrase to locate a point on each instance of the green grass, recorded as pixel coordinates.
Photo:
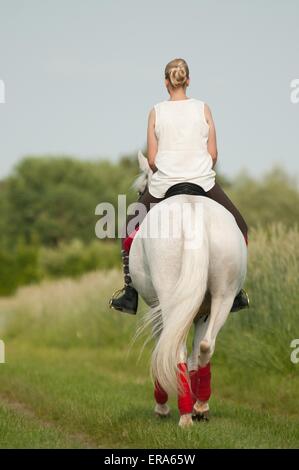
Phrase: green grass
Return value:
(109, 399)
(18, 431)
(71, 380)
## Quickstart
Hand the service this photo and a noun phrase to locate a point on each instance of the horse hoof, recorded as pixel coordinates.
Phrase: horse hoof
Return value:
(201, 411)
(201, 417)
(186, 421)
(162, 411)
(205, 416)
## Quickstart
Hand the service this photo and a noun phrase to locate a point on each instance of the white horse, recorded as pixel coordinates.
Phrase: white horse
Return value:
(193, 276)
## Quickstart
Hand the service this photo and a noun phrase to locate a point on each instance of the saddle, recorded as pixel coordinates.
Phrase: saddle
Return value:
(185, 188)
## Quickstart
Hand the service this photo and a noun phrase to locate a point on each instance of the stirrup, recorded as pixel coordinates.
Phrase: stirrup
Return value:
(241, 306)
(115, 295)
(247, 297)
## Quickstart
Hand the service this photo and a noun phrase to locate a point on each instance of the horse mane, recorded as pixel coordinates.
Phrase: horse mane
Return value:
(140, 182)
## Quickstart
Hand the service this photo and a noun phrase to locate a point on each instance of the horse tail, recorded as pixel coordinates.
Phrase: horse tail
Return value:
(182, 305)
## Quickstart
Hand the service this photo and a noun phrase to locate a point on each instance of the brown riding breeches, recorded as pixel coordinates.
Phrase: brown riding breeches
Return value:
(216, 193)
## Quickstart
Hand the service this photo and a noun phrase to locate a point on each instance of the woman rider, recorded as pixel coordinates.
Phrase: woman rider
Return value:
(181, 147)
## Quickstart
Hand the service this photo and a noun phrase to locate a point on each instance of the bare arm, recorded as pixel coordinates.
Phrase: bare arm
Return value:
(152, 143)
(212, 141)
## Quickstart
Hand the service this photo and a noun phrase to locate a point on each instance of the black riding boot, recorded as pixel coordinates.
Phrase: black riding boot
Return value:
(241, 301)
(128, 301)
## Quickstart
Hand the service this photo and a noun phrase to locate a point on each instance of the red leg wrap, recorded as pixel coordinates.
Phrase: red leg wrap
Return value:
(127, 242)
(193, 374)
(185, 403)
(161, 396)
(204, 384)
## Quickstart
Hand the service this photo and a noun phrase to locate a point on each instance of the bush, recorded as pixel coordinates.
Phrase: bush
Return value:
(28, 264)
(76, 258)
(273, 199)
(18, 267)
(8, 273)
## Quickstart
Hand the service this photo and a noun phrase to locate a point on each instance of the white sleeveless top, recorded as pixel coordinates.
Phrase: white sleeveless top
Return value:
(182, 133)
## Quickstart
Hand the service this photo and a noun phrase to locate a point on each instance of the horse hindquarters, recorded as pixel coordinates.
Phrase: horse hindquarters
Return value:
(179, 307)
(155, 272)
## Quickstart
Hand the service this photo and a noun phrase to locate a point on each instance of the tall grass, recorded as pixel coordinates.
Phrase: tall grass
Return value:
(66, 313)
(261, 336)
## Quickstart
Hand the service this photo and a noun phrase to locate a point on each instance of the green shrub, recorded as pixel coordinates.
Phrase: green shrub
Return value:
(18, 267)
(27, 259)
(8, 273)
(75, 258)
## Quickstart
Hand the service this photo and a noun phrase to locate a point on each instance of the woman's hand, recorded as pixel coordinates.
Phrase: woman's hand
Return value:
(212, 142)
(152, 143)
(153, 168)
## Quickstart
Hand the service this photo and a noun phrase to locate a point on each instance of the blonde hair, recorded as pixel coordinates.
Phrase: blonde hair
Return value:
(177, 72)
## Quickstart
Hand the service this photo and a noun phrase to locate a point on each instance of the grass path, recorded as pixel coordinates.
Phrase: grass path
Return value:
(21, 428)
(54, 397)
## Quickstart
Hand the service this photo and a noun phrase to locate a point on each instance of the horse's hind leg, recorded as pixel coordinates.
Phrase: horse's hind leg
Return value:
(161, 397)
(205, 344)
(161, 409)
(200, 327)
(203, 393)
(200, 376)
(220, 308)
(185, 402)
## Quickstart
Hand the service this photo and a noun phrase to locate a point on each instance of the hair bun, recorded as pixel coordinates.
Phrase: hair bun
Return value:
(178, 76)
(177, 72)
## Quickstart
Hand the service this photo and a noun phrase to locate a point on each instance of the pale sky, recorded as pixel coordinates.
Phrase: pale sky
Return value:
(81, 76)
